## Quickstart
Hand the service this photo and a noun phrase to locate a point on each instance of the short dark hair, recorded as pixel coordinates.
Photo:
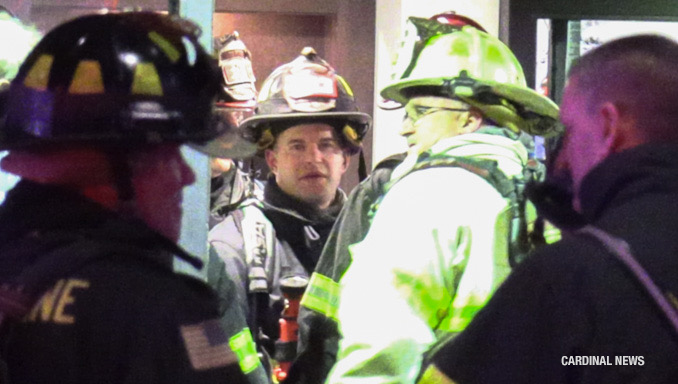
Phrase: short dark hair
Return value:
(639, 74)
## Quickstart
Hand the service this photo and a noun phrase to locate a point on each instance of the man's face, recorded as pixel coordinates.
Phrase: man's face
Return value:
(430, 118)
(158, 177)
(584, 144)
(308, 163)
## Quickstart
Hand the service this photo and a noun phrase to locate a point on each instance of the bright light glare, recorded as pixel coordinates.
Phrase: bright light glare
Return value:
(130, 59)
(18, 39)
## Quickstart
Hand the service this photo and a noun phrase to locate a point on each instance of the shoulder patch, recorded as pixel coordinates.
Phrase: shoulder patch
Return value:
(207, 345)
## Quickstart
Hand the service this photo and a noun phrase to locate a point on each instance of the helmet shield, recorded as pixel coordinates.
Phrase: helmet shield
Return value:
(238, 80)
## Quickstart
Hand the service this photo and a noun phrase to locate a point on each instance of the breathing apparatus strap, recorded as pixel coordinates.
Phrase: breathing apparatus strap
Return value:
(362, 167)
(258, 237)
(511, 189)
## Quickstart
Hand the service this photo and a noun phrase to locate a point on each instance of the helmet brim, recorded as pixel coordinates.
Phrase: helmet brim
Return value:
(232, 142)
(229, 145)
(395, 91)
(363, 120)
(536, 102)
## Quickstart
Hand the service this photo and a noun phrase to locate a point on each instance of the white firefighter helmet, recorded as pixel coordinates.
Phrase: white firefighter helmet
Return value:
(465, 63)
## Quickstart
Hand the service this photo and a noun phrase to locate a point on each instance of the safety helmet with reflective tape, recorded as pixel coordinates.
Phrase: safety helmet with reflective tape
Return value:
(235, 60)
(124, 78)
(307, 89)
(475, 67)
(237, 98)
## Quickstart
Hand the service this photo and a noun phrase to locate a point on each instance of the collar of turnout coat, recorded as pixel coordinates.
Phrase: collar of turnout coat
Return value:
(44, 217)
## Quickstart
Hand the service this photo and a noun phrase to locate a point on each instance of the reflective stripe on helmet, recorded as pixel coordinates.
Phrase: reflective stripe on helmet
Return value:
(322, 295)
(87, 78)
(38, 76)
(170, 50)
(146, 80)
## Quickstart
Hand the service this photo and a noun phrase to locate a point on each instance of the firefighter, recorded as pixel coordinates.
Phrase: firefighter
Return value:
(95, 119)
(318, 333)
(601, 305)
(230, 184)
(450, 224)
(307, 125)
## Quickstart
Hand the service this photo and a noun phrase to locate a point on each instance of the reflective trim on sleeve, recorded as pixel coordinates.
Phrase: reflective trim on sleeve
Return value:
(322, 295)
(551, 233)
(243, 346)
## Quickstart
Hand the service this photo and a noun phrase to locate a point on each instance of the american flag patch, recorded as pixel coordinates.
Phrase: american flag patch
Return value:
(207, 345)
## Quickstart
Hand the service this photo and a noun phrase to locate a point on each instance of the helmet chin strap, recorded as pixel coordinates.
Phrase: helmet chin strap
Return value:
(362, 166)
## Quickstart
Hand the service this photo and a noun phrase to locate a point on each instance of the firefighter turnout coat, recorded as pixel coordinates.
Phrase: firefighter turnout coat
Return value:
(435, 252)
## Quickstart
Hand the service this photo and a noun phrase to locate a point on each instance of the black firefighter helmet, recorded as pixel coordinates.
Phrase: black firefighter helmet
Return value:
(307, 89)
(115, 79)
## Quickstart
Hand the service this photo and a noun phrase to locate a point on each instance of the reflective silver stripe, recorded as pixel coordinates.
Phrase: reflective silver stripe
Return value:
(258, 242)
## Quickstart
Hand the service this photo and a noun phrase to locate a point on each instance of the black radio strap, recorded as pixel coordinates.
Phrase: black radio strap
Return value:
(621, 250)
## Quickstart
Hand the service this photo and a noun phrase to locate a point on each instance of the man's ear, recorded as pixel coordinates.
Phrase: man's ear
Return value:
(615, 130)
(620, 128)
(347, 161)
(473, 121)
(271, 160)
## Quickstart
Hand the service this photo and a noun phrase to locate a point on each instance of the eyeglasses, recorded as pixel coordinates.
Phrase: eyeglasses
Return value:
(417, 112)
